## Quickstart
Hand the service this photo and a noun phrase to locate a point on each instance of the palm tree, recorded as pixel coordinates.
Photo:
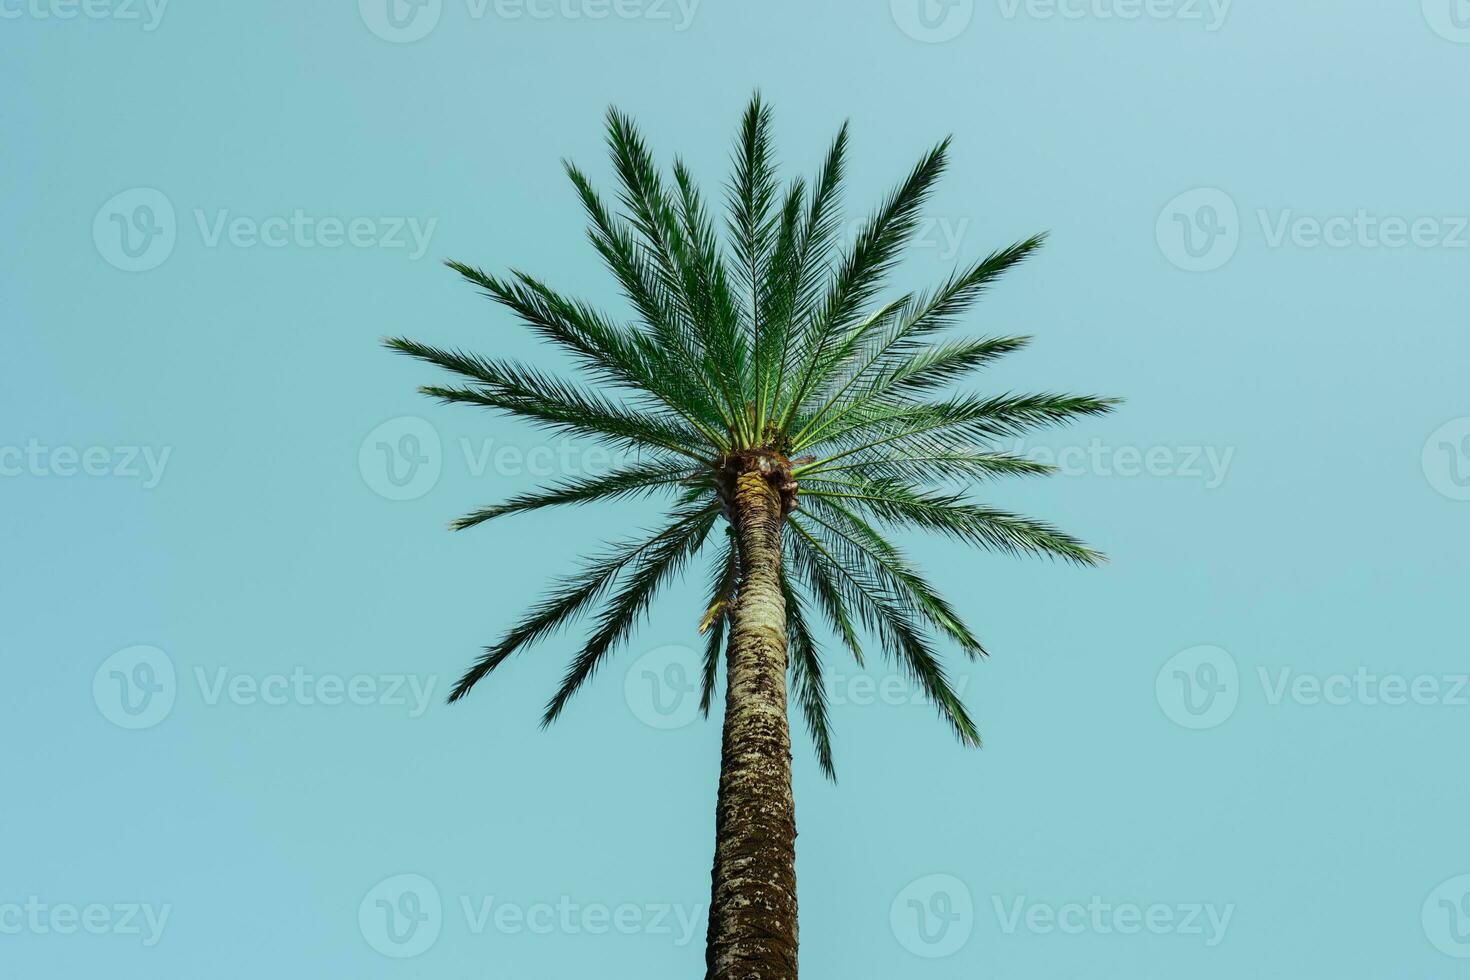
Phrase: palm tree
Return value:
(769, 394)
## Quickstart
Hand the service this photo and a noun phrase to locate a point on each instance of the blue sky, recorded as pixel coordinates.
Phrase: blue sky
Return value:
(232, 610)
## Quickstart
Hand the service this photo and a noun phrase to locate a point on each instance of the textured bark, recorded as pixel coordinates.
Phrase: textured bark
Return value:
(752, 919)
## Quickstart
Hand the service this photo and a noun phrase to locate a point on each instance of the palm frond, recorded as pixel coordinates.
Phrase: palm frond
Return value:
(924, 369)
(887, 362)
(945, 425)
(795, 275)
(680, 261)
(861, 545)
(899, 505)
(627, 606)
(774, 304)
(806, 675)
(553, 402)
(823, 219)
(704, 272)
(656, 299)
(862, 271)
(935, 467)
(724, 576)
(714, 646)
(615, 354)
(900, 636)
(818, 579)
(567, 598)
(751, 196)
(633, 480)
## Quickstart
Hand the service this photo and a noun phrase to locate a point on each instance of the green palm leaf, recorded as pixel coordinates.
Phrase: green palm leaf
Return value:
(901, 637)
(649, 571)
(806, 673)
(626, 482)
(568, 597)
(723, 579)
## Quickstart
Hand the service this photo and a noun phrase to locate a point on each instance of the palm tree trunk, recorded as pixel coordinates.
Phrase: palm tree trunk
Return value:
(752, 916)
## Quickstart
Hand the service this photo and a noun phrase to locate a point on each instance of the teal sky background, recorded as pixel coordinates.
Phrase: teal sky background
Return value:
(1249, 728)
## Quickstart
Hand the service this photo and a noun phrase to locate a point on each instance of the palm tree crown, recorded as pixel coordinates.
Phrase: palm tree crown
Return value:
(767, 348)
